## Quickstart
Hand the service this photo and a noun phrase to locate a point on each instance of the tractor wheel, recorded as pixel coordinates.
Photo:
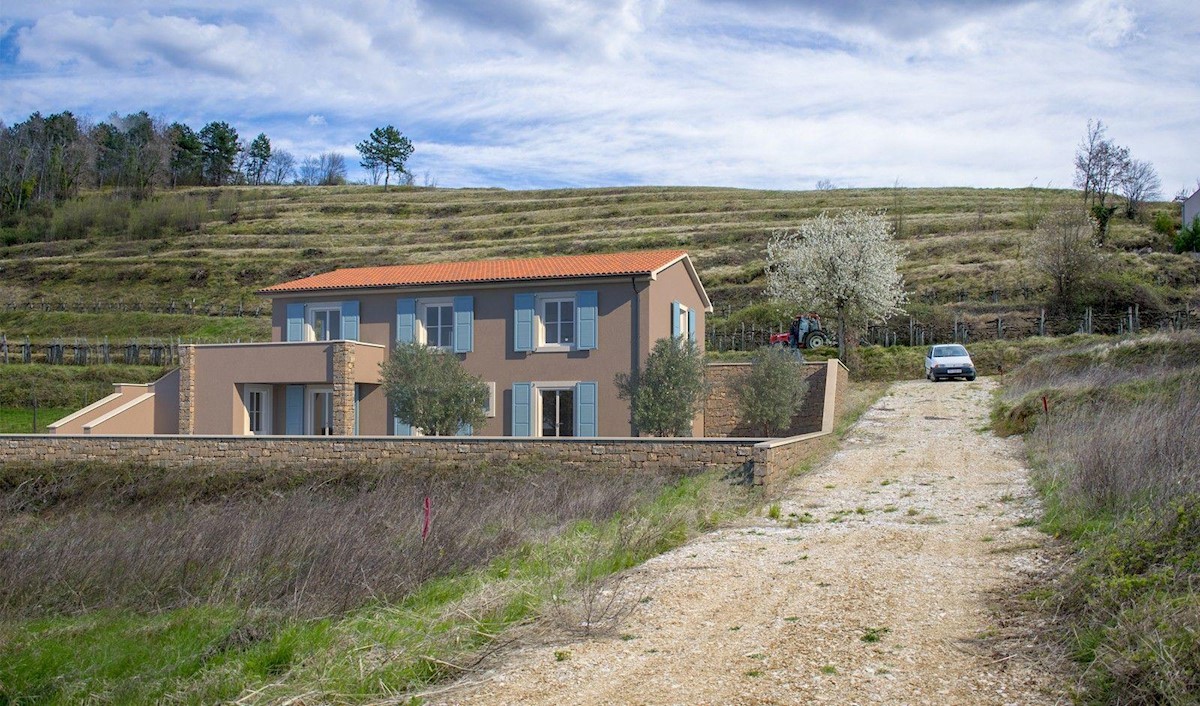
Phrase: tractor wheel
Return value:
(816, 339)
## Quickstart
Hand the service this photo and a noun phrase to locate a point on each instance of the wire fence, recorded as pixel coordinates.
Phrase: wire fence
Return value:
(83, 352)
(967, 328)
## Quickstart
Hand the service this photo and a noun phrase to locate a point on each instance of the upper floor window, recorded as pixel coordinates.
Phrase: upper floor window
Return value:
(683, 322)
(437, 319)
(325, 322)
(555, 321)
(558, 322)
(445, 322)
(321, 321)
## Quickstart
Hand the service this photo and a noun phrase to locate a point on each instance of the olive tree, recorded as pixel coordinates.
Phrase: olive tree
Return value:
(848, 263)
(430, 390)
(773, 392)
(665, 394)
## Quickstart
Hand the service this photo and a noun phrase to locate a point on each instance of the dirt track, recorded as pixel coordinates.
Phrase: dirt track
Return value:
(902, 537)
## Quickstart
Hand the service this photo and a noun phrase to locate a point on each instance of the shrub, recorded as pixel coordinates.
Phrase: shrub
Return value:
(1164, 223)
(154, 219)
(665, 393)
(773, 391)
(75, 220)
(430, 390)
(1188, 239)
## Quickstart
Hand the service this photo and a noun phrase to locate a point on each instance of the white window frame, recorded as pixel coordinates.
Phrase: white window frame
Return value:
(684, 332)
(540, 302)
(419, 332)
(310, 312)
(268, 420)
(310, 406)
(537, 390)
(489, 407)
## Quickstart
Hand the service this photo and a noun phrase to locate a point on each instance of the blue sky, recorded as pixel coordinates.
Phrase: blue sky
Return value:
(547, 93)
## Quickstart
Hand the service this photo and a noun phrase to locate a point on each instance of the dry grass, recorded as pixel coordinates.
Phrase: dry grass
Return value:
(81, 537)
(962, 243)
(1116, 456)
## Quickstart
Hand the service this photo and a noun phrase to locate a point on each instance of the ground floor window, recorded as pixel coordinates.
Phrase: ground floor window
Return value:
(558, 411)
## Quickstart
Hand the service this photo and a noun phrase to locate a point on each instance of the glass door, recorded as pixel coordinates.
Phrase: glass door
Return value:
(558, 412)
(320, 412)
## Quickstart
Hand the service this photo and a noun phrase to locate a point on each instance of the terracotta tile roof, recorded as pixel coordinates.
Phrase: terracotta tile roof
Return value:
(538, 268)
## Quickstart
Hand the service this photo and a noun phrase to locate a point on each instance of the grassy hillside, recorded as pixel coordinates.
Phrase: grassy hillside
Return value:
(1113, 433)
(204, 252)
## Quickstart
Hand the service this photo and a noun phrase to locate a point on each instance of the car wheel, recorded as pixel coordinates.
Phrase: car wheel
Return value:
(970, 378)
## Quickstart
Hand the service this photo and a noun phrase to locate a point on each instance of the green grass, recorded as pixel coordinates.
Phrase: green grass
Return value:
(66, 385)
(121, 326)
(21, 420)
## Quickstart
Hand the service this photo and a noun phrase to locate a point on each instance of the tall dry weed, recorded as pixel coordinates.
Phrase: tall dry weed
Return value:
(309, 548)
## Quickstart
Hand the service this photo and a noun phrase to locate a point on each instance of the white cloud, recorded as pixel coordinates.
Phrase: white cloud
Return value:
(1107, 22)
(548, 92)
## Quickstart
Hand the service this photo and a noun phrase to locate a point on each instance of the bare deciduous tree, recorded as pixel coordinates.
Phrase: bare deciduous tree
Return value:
(1066, 251)
(281, 167)
(1139, 184)
(326, 169)
(849, 263)
(1100, 165)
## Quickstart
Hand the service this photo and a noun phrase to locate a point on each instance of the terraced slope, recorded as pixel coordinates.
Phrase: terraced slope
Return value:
(964, 245)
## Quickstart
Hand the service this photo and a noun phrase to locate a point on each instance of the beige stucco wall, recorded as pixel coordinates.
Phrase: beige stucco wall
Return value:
(223, 371)
(621, 300)
(157, 410)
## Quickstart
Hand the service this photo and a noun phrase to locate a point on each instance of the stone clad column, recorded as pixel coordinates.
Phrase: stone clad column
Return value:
(344, 354)
(187, 390)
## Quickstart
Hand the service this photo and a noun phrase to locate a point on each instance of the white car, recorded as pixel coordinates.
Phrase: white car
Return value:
(948, 361)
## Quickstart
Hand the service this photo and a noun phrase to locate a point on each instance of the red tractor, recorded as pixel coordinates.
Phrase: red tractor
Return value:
(812, 336)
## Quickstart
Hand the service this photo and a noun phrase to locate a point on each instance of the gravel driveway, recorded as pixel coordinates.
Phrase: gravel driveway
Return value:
(872, 586)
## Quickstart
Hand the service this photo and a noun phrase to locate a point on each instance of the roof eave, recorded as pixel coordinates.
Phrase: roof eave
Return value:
(691, 270)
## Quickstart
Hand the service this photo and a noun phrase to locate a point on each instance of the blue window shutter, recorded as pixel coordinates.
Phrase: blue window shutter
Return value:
(675, 308)
(295, 322)
(692, 325)
(400, 428)
(293, 416)
(350, 321)
(523, 305)
(585, 311)
(585, 409)
(522, 409)
(406, 320)
(466, 430)
(464, 324)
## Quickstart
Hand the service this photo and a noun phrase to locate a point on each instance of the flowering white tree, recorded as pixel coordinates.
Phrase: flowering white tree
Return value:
(848, 263)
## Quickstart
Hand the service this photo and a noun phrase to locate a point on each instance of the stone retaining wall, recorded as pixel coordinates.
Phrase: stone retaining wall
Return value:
(766, 462)
(721, 416)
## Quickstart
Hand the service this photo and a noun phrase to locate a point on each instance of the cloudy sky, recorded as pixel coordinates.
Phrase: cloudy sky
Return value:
(543, 93)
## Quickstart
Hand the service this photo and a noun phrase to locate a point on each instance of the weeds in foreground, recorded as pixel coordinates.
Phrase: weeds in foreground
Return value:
(1114, 457)
(221, 652)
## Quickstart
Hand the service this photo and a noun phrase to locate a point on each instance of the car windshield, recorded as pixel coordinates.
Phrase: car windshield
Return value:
(949, 351)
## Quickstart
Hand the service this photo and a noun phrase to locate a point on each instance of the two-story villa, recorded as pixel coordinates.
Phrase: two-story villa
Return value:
(548, 335)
